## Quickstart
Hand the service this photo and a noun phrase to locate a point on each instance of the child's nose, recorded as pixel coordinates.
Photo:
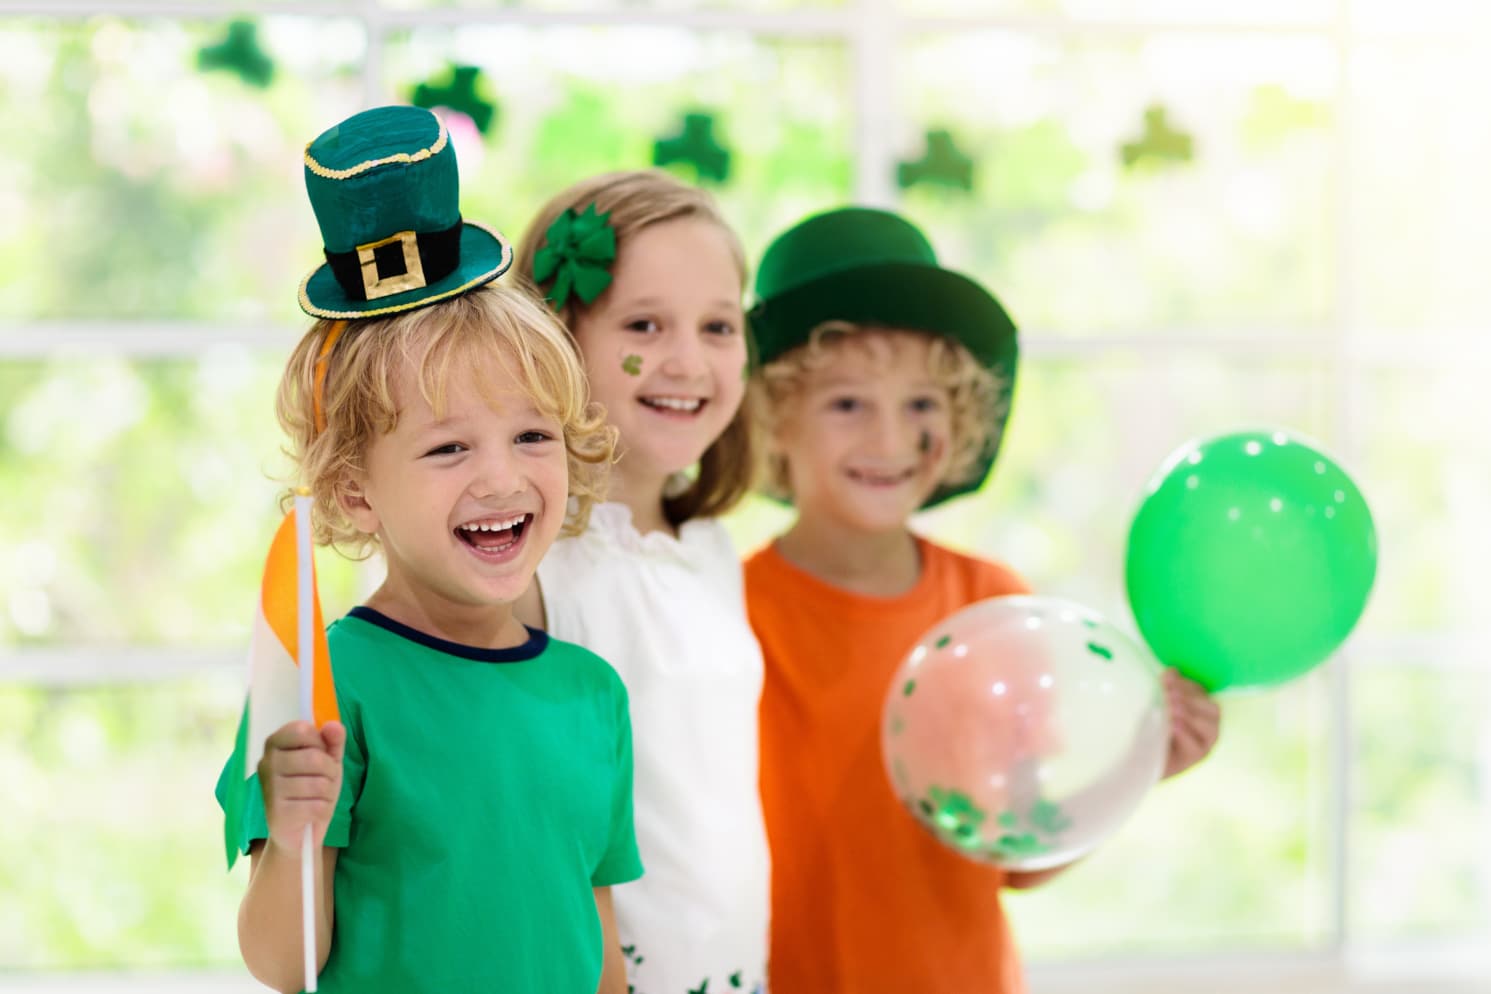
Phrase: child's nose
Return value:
(893, 436)
(497, 476)
(685, 356)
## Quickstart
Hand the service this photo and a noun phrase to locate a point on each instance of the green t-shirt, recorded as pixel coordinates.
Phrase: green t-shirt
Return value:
(484, 794)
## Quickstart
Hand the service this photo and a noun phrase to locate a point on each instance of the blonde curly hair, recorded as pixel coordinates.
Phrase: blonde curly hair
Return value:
(977, 397)
(498, 320)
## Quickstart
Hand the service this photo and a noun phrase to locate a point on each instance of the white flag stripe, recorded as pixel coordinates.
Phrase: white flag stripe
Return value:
(274, 698)
(306, 590)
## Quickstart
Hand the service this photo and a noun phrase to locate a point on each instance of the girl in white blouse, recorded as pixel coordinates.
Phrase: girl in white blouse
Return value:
(648, 278)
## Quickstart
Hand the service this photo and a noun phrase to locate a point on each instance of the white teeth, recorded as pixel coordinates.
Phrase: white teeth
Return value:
(674, 403)
(493, 526)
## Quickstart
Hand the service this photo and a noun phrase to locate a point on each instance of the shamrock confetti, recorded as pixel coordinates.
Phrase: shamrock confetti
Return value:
(955, 813)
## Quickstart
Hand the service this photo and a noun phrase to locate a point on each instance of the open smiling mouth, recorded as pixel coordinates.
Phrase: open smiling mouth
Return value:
(674, 405)
(494, 536)
(876, 479)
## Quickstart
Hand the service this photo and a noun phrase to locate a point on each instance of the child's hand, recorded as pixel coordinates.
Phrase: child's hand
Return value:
(1195, 723)
(301, 776)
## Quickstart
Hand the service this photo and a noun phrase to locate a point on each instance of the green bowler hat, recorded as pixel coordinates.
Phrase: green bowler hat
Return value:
(384, 188)
(868, 266)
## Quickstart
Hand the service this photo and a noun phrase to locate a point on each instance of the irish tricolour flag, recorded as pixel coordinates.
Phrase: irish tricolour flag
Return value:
(289, 680)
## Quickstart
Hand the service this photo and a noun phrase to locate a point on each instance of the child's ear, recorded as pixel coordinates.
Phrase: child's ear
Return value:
(352, 498)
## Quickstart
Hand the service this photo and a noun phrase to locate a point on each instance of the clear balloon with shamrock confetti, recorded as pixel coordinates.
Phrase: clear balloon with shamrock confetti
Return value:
(1023, 731)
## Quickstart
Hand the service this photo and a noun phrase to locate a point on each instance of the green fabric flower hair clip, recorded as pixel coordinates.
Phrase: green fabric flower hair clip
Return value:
(577, 255)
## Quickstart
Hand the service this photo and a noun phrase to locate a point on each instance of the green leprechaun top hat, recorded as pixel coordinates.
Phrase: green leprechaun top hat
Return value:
(384, 188)
(868, 266)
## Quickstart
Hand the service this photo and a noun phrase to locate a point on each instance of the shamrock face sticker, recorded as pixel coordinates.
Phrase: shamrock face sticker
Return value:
(632, 365)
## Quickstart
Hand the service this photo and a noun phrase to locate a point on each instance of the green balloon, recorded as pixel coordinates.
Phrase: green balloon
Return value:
(1249, 560)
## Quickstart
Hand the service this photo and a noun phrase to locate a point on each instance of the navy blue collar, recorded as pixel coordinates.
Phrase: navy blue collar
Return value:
(537, 642)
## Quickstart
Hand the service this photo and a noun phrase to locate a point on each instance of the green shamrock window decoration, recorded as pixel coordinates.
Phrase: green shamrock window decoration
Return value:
(240, 54)
(577, 255)
(695, 145)
(1160, 142)
(942, 164)
(462, 89)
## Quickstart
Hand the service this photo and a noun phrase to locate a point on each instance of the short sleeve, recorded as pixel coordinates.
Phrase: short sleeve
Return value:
(354, 768)
(620, 862)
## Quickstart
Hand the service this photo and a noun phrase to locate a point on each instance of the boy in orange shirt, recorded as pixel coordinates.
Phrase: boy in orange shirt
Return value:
(885, 383)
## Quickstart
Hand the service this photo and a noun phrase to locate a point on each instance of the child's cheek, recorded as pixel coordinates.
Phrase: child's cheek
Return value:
(931, 446)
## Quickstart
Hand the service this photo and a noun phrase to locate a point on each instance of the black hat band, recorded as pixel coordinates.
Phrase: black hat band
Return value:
(399, 263)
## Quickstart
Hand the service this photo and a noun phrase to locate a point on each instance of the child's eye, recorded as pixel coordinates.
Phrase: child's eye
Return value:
(448, 449)
(923, 405)
(644, 325)
(720, 328)
(844, 404)
(533, 437)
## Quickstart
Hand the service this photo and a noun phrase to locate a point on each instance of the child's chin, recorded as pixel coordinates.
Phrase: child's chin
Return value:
(879, 519)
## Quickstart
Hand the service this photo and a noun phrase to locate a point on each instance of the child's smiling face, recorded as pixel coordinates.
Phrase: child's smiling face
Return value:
(465, 500)
(664, 347)
(867, 439)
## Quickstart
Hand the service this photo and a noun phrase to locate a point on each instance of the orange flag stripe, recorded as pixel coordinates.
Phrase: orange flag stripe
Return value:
(280, 599)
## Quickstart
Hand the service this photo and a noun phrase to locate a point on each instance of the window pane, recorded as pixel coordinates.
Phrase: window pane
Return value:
(1424, 472)
(1235, 240)
(1422, 811)
(150, 189)
(135, 505)
(1420, 152)
(572, 102)
(111, 848)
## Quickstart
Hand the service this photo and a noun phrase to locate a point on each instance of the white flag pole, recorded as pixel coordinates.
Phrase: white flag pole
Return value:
(306, 657)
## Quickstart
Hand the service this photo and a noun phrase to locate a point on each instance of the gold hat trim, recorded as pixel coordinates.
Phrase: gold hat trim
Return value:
(362, 167)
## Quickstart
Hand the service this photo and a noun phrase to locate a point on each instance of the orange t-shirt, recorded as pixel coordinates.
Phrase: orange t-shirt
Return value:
(863, 899)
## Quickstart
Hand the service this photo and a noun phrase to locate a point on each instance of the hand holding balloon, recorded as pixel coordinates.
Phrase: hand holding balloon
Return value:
(1195, 723)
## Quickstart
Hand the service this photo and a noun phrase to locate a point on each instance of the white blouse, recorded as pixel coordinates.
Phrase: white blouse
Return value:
(669, 614)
